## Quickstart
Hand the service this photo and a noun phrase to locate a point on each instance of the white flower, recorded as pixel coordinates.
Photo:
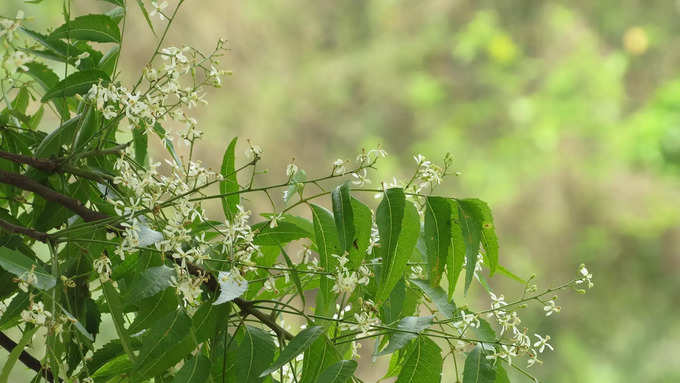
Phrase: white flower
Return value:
(274, 221)
(551, 308)
(543, 343)
(35, 314)
(339, 166)
(533, 358)
(586, 277)
(505, 353)
(102, 266)
(361, 179)
(158, 9)
(291, 169)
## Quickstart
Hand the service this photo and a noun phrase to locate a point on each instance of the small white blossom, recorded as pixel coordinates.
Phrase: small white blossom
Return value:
(157, 9)
(543, 343)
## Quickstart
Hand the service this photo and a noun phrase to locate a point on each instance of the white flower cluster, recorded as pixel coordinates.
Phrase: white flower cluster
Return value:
(364, 320)
(346, 280)
(428, 174)
(36, 314)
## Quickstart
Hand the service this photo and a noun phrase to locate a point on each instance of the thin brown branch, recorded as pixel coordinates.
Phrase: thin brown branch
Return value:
(44, 164)
(26, 183)
(12, 228)
(245, 306)
(27, 359)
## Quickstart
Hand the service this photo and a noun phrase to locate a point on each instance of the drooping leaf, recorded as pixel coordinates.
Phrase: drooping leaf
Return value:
(438, 296)
(480, 213)
(254, 354)
(423, 363)
(141, 144)
(296, 346)
(142, 8)
(98, 28)
(478, 369)
(437, 236)
(400, 225)
(408, 329)
(116, 309)
(294, 275)
(340, 372)
(229, 183)
(344, 218)
(20, 265)
(456, 255)
(108, 63)
(77, 83)
(195, 370)
(471, 229)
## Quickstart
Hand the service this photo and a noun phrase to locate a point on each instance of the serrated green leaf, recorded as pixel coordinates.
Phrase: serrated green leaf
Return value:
(363, 220)
(340, 372)
(438, 296)
(344, 218)
(165, 344)
(153, 308)
(423, 363)
(480, 212)
(399, 226)
(20, 265)
(98, 28)
(229, 184)
(478, 369)
(327, 244)
(407, 329)
(437, 236)
(471, 230)
(195, 370)
(296, 346)
(456, 255)
(77, 83)
(149, 283)
(320, 355)
(254, 354)
(117, 366)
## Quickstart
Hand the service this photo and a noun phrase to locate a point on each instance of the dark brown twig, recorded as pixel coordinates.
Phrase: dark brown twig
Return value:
(27, 359)
(26, 183)
(12, 228)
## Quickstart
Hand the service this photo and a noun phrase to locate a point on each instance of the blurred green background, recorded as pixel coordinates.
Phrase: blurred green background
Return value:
(564, 116)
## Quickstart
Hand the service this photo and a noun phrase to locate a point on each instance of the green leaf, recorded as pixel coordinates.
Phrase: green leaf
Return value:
(195, 370)
(142, 8)
(294, 274)
(77, 83)
(118, 366)
(153, 308)
(501, 374)
(478, 369)
(120, 3)
(18, 304)
(282, 233)
(320, 355)
(363, 220)
(165, 344)
(108, 63)
(14, 354)
(423, 363)
(59, 50)
(208, 319)
(141, 143)
(438, 296)
(437, 236)
(254, 354)
(88, 128)
(20, 265)
(98, 28)
(344, 219)
(296, 346)
(480, 212)
(471, 230)
(149, 283)
(296, 185)
(229, 184)
(116, 309)
(63, 135)
(327, 244)
(339, 372)
(399, 226)
(456, 254)
(407, 330)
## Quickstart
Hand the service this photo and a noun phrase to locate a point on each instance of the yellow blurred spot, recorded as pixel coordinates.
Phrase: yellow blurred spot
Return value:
(502, 49)
(635, 41)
